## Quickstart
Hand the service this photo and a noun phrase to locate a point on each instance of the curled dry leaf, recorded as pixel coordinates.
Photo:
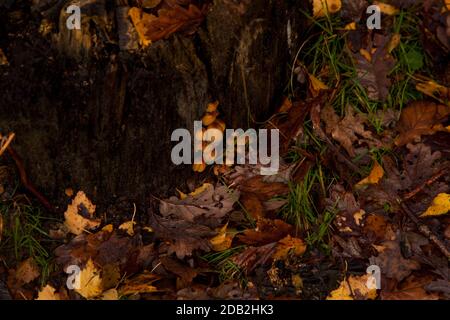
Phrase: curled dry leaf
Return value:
(253, 257)
(421, 118)
(141, 283)
(80, 215)
(266, 231)
(355, 287)
(374, 177)
(223, 240)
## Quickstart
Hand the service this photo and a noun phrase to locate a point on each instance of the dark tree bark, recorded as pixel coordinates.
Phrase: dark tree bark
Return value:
(90, 114)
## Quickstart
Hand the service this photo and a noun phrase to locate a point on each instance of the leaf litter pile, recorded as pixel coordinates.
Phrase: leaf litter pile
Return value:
(364, 181)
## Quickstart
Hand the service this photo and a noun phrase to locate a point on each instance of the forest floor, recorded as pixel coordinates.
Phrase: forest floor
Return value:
(358, 210)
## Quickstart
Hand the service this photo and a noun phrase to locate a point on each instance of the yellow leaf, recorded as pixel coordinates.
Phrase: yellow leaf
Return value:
(108, 228)
(139, 18)
(315, 85)
(366, 54)
(440, 206)
(394, 42)
(354, 286)
(322, 7)
(110, 294)
(48, 293)
(91, 284)
(223, 240)
(374, 177)
(128, 227)
(386, 8)
(350, 26)
(289, 244)
(77, 223)
(432, 88)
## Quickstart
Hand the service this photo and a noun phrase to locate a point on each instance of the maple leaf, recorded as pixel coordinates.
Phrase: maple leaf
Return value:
(348, 130)
(421, 118)
(373, 68)
(91, 284)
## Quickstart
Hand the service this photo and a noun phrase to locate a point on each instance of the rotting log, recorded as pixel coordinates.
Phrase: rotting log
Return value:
(91, 111)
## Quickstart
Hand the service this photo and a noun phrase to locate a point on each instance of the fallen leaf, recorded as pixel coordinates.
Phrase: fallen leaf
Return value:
(266, 231)
(128, 227)
(141, 283)
(111, 294)
(349, 130)
(440, 206)
(412, 288)
(27, 271)
(79, 215)
(315, 86)
(355, 287)
(391, 261)
(386, 8)
(48, 293)
(289, 244)
(223, 240)
(374, 67)
(252, 257)
(321, 8)
(421, 118)
(141, 20)
(91, 284)
(374, 177)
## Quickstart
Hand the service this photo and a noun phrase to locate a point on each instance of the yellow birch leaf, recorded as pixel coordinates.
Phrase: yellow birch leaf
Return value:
(322, 7)
(440, 206)
(77, 223)
(374, 177)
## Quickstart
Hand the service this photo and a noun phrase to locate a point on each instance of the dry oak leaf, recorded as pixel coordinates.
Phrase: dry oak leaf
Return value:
(289, 244)
(373, 65)
(355, 287)
(174, 19)
(79, 215)
(421, 118)
(391, 261)
(321, 8)
(440, 206)
(349, 130)
(48, 293)
(210, 203)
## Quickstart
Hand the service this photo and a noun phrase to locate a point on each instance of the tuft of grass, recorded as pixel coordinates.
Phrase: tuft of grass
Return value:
(227, 269)
(24, 235)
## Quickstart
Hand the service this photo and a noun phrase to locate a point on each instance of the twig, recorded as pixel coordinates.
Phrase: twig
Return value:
(411, 194)
(4, 144)
(426, 231)
(26, 183)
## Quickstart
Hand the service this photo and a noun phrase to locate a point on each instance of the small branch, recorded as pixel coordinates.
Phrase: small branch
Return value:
(438, 175)
(426, 231)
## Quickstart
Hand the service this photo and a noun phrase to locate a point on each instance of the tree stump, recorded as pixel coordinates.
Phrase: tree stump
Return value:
(91, 113)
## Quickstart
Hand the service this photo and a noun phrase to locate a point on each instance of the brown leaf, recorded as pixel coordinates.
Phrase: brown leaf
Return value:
(175, 19)
(186, 273)
(391, 261)
(183, 237)
(412, 288)
(349, 130)
(421, 118)
(373, 68)
(252, 257)
(266, 231)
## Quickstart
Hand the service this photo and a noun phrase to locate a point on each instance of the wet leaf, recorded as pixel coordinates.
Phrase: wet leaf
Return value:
(266, 231)
(287, 245)
(374, 177)
(322, 8)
